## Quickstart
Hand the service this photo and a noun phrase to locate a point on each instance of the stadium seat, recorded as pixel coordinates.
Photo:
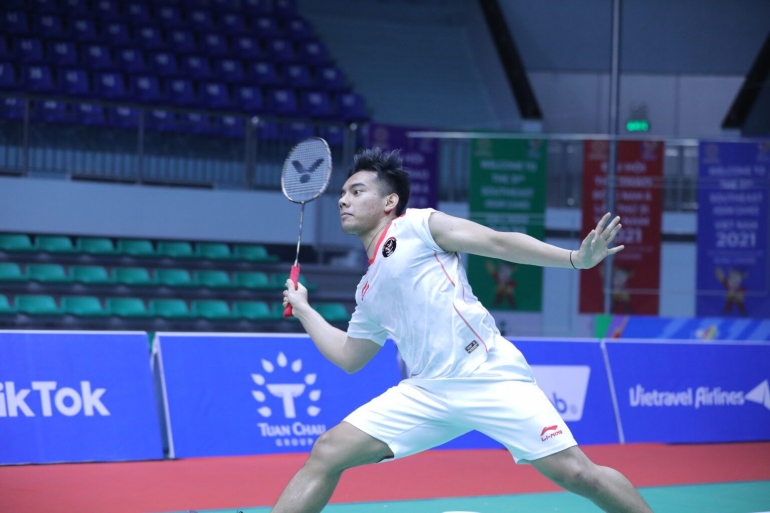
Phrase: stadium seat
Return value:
(49, 25)
(127, 307)
(212, 309)
(83, 306)
(297, 76)
(47, 6)
(106, 9)
(266, 27)
(213, 250)
(232, 126)
(317, 104)
(62, 53)
(200, 20)
(229, 70)
(280, 50)
(134, 276)
(83, 30)
(314, 52)
(38, 78)
(91, 115)
(175, 249)
(213, 44)
(131, 60)
(181, 41)
(51, 111)
(295, 132)
(232, 23)
(97, 56)
(95, 246)
(29, 49)
(252, 310)
(37, 305)
(54, 244)
(350, 106)
(334, 134)
(212, 279)
(123, 117)
(255, 7)
(15, 22)
(74, 7)
(15, 242)
(253, 252)
(74, 82)
(180, 91)
(247, 47)
(110, 85)
(196, 123)
(47, 273)
(174, 277)
(146, 88)
(285, 8)
(116, 33)
(282, 102)
(9, 80)
(298, 29)
(135, 247)
(331, 78)
(196, 66)
(333, 312)
(170, 308)
(170, 16)
(264, 73)
(10, 271)
(249, 98)
(149, 37)
(162, 120)
(220, 6)
(164, 63)
(214, 95)
(6, 52)
(91, 275)
(251, 280)
(5, 306)
(138, 13)
(269, 131)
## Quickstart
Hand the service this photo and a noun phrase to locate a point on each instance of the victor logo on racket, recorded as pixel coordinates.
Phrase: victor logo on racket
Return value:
(305, 173)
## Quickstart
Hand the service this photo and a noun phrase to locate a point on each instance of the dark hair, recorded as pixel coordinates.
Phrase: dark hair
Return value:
(390, 173)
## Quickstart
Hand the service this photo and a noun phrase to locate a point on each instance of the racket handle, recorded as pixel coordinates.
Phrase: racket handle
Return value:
(293, 276)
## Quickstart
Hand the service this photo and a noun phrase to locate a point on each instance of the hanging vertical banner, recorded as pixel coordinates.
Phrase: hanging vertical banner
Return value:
(733, 278)
(421, 160)
(507, 193)
(638, 202)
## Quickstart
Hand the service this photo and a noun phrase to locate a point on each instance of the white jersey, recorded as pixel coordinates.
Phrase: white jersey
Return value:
(418, 295)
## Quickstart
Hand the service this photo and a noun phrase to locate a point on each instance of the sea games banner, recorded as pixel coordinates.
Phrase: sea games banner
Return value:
(507, 193)
(638, 202)
(733, 277)
(421, 160)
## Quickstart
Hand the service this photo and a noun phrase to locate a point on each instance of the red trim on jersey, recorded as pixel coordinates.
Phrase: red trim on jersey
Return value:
(435, 254)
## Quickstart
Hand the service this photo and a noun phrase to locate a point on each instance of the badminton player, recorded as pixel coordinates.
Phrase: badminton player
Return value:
(462, 374)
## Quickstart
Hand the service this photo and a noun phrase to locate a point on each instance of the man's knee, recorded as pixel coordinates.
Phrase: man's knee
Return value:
(336, 450)
(571, 470)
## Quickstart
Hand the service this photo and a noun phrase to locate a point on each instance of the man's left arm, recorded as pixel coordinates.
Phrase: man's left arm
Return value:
(459, 235)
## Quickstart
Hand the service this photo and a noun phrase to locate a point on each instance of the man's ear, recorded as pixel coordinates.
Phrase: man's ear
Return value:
(391, 203)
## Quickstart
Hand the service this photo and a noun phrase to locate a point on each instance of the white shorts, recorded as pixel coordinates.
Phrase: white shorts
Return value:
(417, 415)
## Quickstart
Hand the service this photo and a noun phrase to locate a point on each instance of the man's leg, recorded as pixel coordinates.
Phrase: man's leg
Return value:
(338, 449)
(607, 488)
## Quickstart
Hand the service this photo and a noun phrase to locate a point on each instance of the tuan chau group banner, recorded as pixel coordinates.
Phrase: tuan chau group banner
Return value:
(638, 201)
(507, 193)
(421, 160)
(733, 224)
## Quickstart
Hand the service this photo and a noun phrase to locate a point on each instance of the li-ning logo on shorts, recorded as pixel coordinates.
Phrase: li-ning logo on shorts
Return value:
(389, 247)
(471, 347)
(555, 429)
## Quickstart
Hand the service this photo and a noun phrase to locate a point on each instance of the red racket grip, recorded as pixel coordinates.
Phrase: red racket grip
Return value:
(293, 276)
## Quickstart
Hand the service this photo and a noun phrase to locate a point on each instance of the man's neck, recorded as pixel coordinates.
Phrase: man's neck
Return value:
(370, 239)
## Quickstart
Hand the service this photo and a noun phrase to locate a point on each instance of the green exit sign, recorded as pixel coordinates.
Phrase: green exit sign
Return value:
(638, 125)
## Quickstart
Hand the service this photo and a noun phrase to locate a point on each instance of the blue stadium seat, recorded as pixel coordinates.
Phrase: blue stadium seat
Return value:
(180, 91)
(334, 134)
(222, 5)
(232, 23)
(247, 47)
(148, 37)
(83, 29)
(266, 27)
(14, 22)
(131, 60)
(29, 49)
(215, 95)
(213, 44)
(74, 82)
(110, 85)
(15, 5)
(297, 76)
(331, 78)
(164, 63)
(200, 19)
(197, 67)
(298, 29)
(255, 7)
(249, 99)
(280, 50)
(38, 78)
(268, 131)
(161, 120)
(282, 102)
(8, 77)
(90, 115)
(6, 52)
(123, 117)
(285, 8)
(230, 70)
(146, 88)
(317, 104)
(106, 9)
(314, 52)
(196, 123)
(232, 126)
(138, 13)
(97, 56)
(49, 25)
(296, 132)
(181, 41)
(47, 6)
(12, 108)
(264, 73)
(116, 33)
(61, 53)
(75, 7)
(52, 111)
(170, 16)
(350, 106)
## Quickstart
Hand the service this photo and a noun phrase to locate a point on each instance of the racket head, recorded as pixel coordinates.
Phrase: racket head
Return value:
(307, 170)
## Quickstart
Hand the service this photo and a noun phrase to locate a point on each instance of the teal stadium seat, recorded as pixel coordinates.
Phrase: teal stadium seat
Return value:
(83, 306)
(134, 276)
(252, 310)
(5, 306)
(254, 253)
(175, 249)
(333, 312)
(277, 311)
(54, 244)
(251, 280)
(127, 307)
(170, 308)
(212, 309)
(10, 271)
(91, 275)
(95, 246)
(213, 251)
(174, 277)
(135, 247)
(37, 305)
(47, 273)
(213, 279)
(16, 242)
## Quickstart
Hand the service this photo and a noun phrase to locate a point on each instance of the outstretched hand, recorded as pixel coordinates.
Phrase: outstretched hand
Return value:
(594, 248)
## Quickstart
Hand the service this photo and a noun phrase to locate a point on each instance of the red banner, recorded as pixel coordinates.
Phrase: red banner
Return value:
(638, 202)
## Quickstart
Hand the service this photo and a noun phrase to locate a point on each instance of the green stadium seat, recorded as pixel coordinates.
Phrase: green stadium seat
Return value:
(95, 246)
(83, 306)
(170, 308)
(212, 309)
(10, 271)
(175, 249)
(213, 251)
(91, 274)
(135, 247)
(251, 280)
(136, 276)
(15, 242)
(127, 307)
(212, 279)
(252, 310)
(254, 253)
(47, 273)
(174, 277)
(278, 281)
(5, 306)
(277, 311)
(37, 305)
(333, 312)
(54, 244)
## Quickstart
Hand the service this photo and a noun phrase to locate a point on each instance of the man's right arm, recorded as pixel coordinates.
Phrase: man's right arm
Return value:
(349, 354)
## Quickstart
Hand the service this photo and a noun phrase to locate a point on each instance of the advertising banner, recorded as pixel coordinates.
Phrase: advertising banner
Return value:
(638, 202)
(507, 193)
(421, 160)
(76, 396)
(258, 394)
(683, 328)
(692, 392)
(733, 277)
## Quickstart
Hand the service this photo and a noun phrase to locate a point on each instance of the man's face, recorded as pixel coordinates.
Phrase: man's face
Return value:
(361, 203)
